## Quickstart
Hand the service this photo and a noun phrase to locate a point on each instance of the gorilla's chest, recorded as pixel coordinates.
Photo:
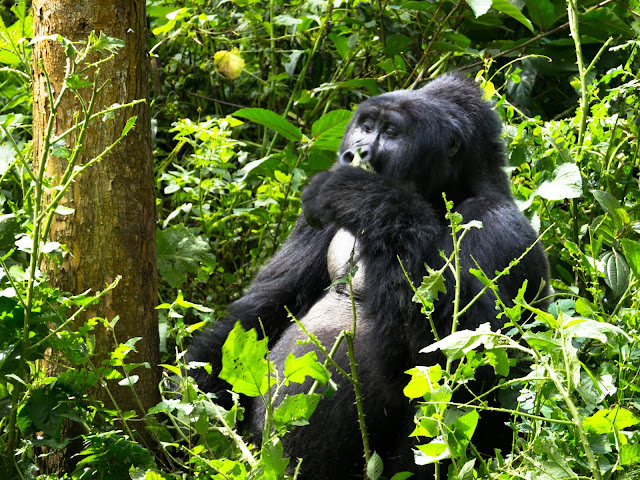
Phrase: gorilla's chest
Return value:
(345, 255)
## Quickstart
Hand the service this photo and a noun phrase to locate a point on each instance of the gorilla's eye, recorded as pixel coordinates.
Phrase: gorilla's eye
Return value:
(391, 132)
(366, 123)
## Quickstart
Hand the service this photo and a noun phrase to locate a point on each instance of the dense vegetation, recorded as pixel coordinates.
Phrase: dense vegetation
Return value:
(249, 99)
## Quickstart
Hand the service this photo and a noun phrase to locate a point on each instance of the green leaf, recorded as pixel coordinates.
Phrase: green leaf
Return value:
(629, 454)
(46, 409)
(499, 360)
(480, 275)
(417, 5)
(467, 423)
(632, 254)
(541, 12)
(423, 380)
(458, 344)
(479, 7)
(130, 123)
(606, 420)
(272, 121)
(417, 387)
(9, 228)
(76, 82)
(60, 151)
(403, 475)
(296, 409)
(427, 427)
(603, 23)
(104, 43)
(608, 202)
(374, 466)
(431, 286)
(272, 462)
(506, 7)
(179, 252)
(467, 471)
(358, 83)
(432, 452)
(566, 183)
(604, 332)
(297, 369)
(244, 363)
(461, 431)
(616, 272)
(328, 131)
(396, 44)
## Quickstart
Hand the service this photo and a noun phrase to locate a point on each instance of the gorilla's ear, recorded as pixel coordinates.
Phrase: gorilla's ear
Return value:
(454, 145)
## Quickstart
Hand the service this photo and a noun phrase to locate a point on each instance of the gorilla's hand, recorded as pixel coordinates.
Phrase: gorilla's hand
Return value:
(343, 195)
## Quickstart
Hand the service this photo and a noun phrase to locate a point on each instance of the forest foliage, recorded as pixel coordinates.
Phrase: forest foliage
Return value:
(250, 98)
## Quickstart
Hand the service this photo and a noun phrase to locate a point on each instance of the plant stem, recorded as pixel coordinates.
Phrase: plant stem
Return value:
(572, 11)
(359, 397)
(349, 336)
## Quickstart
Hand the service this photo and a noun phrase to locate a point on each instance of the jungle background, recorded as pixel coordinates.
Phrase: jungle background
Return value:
(250, 98)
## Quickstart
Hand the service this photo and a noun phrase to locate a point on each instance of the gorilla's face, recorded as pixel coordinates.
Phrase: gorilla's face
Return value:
(407, 136)
(378, 137)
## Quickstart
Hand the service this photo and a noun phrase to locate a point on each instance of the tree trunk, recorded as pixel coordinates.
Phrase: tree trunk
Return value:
(112, 229)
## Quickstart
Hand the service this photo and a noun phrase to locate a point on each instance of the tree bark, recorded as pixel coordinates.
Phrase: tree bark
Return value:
(112, 229)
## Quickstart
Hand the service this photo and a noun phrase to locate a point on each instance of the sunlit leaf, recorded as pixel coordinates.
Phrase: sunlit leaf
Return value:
(566, 183)
(297, 369)
(479, 7)
(296, 409)
(244, 363)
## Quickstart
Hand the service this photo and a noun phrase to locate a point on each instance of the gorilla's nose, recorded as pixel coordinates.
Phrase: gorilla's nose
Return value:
(348, 156)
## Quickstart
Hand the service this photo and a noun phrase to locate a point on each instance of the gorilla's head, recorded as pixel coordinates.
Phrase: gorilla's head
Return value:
(442, 137)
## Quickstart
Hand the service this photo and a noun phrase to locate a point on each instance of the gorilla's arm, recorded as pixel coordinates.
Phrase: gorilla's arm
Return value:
(505, 236)
(391, 222)
(294, 278)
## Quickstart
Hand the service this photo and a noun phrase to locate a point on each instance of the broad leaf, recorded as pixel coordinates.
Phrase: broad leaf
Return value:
(296, 409)
(329, 129)
(458, 344)
(272, 121)
(566, 183)
(506, 7)
(179, 252)
(244, 363)
(297, 369)
(632, 254)
(606, 420)
(272, 463)
(541, 12)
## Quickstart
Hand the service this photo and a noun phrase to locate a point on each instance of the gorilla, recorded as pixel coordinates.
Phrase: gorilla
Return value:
(416, 144)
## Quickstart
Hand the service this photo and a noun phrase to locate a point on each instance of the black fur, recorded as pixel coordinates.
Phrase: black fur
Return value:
(441, 138)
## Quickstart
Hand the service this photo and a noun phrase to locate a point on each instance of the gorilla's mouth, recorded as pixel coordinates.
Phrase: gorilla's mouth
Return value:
(356, 160)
